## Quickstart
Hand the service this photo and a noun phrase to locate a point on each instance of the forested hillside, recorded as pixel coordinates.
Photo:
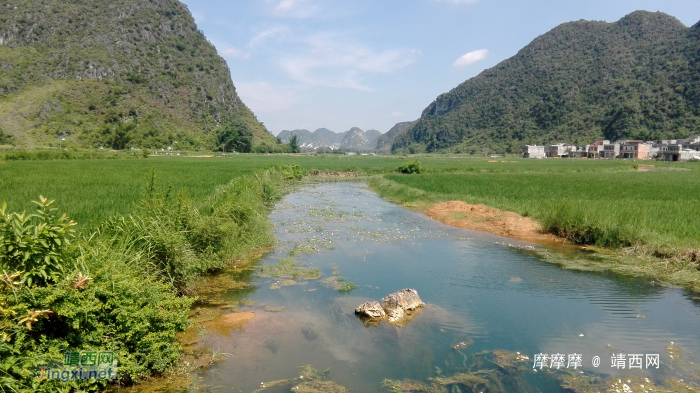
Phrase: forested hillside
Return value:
(115, 74)
(636, 78)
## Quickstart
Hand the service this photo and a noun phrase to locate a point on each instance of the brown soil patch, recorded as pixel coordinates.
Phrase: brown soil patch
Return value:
(645, 168)
(227, 323)
(492, 220)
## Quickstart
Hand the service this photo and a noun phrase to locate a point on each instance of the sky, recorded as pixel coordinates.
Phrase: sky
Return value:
(308, 64)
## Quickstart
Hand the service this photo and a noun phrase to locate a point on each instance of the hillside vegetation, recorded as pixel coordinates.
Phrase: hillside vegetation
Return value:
(637, 78)
(115, 74)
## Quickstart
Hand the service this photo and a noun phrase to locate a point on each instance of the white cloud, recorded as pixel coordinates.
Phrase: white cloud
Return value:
(262, 97)
(471, 57)
(332, 61)
(293, 8)
(233, 52)
(324, 9)
(265, 35)
(289, 5)
(396, 114)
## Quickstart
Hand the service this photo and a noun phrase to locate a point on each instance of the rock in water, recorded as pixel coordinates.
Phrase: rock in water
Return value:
(398, 303)
(370, 309)
(405, 299)
(400, 308)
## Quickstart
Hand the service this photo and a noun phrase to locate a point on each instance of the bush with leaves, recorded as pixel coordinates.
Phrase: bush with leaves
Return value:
(411, 167)
(120, 288)
(35, 243)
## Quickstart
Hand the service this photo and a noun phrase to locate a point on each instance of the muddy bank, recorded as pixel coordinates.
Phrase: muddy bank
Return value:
(491, 220)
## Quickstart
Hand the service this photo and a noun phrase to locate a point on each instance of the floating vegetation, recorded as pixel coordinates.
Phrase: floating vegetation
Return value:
(284, 283)
(338, 283)
(273, 309)
(310, 380)
(312, 245)
(319, 387)
(470, 380)
(328, 215)
(289, 268)
(407, 385)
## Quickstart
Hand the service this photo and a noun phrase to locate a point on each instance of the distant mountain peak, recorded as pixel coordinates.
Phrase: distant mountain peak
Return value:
(635, 78)
(354, 139)
(88, 66)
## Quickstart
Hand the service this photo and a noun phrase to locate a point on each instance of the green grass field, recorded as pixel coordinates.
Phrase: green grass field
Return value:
(91, 190)
(660, 206)
(601, 202)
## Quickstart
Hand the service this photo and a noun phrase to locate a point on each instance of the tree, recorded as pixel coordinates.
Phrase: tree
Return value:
(121, 134)
(234, 137)
(294, 144)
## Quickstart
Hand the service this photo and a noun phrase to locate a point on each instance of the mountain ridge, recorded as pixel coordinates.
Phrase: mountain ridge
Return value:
(127, 72)
(635, 78)
(322, 139)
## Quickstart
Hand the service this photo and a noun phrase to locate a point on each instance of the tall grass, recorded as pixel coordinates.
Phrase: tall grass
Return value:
(610, 209)
(124, 287)
(92, 190)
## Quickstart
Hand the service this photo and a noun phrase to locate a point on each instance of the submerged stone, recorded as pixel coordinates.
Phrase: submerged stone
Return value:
(370, 309)
(403, 300)
(398, 308)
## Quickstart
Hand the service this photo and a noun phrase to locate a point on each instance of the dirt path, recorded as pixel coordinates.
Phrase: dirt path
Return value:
(492, 220)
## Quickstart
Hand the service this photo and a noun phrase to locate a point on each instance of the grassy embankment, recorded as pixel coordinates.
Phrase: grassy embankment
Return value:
(123, 285)
(649, 219)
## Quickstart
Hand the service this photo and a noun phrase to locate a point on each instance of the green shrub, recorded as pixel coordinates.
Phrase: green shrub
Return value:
(292, 172)
(117, 289)
(34, 244)
(411, 167)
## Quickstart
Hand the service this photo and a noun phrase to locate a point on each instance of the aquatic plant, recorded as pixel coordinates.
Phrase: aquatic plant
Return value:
(289, 268)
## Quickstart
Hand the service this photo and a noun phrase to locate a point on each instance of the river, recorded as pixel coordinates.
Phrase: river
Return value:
(484, 294)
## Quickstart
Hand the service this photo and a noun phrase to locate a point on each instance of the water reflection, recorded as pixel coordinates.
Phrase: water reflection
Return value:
(482, 296)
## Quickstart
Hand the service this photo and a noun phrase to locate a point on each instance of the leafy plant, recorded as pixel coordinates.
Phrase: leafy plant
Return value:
(411, 167)
(35, 243)
(292, 172)
(294, 144)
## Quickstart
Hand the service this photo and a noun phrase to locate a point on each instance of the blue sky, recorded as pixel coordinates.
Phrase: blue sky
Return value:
(373, 63)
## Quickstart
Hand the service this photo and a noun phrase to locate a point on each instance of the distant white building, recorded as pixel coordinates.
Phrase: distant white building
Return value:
(533, 151)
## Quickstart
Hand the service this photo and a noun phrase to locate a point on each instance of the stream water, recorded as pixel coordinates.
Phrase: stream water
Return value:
(484, 293)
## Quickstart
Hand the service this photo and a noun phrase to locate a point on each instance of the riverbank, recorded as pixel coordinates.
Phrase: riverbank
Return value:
(672, 262)
(280, 322)
(126, 287)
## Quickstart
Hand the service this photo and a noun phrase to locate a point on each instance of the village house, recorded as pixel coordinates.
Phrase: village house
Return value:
(557, 151)
(596, 148)
(610, 150)
(533, 151)
(580, 153)
(668, 149)
(676, 152)
(635, 149)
